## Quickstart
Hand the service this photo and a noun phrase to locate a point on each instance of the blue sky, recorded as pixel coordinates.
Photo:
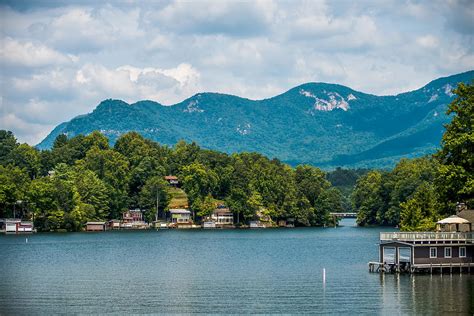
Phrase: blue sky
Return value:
(59, 59)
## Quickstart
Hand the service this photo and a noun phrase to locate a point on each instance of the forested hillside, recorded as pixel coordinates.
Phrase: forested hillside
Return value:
(325, 125)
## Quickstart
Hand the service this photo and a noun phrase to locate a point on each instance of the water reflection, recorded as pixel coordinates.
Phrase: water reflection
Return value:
(428, 294)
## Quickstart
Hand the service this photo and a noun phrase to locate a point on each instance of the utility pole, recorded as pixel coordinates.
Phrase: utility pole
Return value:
(157, 204)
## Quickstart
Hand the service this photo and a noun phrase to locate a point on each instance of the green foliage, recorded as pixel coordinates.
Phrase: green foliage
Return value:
(367, 198)
(457, 152)
(204, 207)
(14, 184)
(154, 190)
(420, 212)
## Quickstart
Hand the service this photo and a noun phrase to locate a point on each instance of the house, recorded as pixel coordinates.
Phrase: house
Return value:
(172, 180)
(223, 217)
(450, 247)
(95, 226)
(133, 219)
(180, 217)
(16, 226)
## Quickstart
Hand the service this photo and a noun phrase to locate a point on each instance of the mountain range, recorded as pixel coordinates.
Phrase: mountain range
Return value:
(326, 125)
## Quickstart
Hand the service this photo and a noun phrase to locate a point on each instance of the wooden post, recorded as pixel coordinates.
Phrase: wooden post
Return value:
(431, 268)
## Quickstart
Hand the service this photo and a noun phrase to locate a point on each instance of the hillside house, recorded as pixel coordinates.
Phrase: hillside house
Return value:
(172, 180)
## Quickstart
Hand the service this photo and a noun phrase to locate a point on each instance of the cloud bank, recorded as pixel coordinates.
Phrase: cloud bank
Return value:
(59, 59)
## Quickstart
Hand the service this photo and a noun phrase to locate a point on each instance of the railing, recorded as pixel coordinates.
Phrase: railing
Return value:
(427, 236)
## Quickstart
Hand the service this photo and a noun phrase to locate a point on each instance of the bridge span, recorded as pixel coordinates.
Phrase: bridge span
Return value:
(344, 215)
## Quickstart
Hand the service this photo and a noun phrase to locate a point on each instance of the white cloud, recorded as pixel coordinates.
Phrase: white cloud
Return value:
(428, 41)
(28, 54)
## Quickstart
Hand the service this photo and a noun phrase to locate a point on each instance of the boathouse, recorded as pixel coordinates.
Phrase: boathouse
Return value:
(450, 247)
(16, 226)
(95, 226)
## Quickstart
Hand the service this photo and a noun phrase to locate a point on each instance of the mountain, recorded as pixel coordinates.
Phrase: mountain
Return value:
(322, 124)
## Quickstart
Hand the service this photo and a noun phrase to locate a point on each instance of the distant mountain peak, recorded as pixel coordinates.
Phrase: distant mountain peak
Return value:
(330, 101)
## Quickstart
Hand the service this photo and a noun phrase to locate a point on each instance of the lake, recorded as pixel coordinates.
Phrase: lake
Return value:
(217, 271)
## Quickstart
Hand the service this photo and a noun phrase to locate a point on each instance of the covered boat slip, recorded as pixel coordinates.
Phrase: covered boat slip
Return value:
(425, 251)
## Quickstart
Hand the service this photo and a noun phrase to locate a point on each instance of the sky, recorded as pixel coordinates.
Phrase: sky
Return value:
(59, 59)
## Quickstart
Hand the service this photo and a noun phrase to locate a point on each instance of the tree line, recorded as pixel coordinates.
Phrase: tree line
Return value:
(84, 179)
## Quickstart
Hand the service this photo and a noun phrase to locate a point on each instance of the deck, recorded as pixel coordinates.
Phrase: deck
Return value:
(429, 237)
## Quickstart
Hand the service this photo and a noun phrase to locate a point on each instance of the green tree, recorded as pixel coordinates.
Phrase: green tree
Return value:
(205, 207)
(367, 198)
(14, 184)
(198, 181)
(456, 179)
(26, 157)
(154, 190)
(7, 144)
(420, 212)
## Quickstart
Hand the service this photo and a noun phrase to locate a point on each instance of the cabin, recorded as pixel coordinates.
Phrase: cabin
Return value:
(133, 219)
(450, 247)
(180, 217)
(16, 226)
(95, 226)
(172, 180)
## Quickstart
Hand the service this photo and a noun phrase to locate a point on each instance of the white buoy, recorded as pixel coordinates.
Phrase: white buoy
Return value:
(324, 275)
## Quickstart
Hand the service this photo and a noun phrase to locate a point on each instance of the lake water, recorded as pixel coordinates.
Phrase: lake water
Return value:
(218, 271)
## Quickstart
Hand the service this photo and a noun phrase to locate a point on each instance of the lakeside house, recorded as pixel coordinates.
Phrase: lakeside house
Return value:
(172, 180)
(15, 226)
(450, 247)
(223, 217)
(133, 219)
(96, 226)
(180, 218)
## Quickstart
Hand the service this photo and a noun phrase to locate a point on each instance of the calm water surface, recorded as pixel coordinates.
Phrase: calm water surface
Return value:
(221, 272)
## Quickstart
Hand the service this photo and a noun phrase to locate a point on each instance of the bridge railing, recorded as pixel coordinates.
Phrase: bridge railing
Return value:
(426, 236)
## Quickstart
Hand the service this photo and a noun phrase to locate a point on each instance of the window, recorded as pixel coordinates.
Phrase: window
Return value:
(462, 252)
(447, 252)
(433, 252)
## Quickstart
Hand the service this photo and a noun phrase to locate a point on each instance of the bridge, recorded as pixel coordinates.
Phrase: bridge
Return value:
(344, 215)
